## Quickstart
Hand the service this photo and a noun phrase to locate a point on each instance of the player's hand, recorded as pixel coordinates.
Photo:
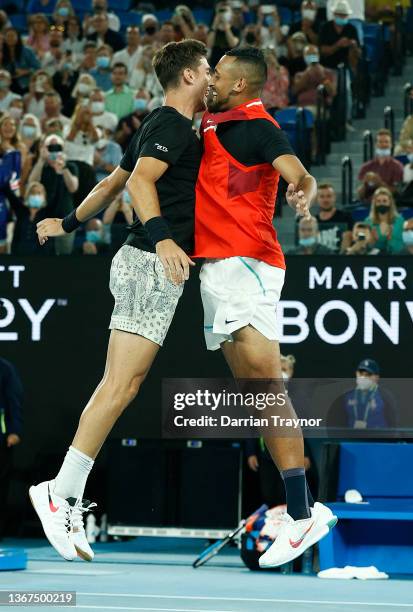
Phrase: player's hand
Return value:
(49, 228)
(253, 463)
(12, 440)
(174, 260)
(297, 201)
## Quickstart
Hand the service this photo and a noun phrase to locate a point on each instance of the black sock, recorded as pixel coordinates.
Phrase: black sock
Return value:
(296, 493)
(309, 496)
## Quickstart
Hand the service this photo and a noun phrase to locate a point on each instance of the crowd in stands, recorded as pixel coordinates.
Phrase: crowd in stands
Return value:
(73, 91)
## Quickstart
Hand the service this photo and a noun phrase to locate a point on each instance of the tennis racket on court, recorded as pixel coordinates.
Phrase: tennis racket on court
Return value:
(215, 548)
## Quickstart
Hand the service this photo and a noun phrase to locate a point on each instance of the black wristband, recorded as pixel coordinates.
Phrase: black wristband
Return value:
(158, 230)
(70, 222)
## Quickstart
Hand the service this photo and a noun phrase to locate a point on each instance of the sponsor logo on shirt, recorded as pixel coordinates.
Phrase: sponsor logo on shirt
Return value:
(161, 147)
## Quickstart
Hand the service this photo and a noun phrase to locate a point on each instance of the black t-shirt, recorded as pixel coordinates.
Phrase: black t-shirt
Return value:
(298, 25)
(58, 196)
(331, 231)
(168, 136)
(329, 36)
(253, 142)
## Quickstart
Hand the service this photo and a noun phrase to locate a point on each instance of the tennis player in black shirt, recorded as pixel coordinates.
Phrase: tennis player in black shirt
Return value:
(159, 169)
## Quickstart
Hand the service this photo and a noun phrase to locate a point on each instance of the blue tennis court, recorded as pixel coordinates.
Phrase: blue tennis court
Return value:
(155, 574)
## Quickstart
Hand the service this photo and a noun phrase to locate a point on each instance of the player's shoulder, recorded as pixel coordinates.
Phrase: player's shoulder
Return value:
(167, 116)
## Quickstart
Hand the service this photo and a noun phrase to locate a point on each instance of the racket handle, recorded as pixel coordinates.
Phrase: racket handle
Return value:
(261, 509)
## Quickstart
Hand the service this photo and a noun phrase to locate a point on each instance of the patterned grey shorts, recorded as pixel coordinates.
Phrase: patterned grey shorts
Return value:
(145, 300)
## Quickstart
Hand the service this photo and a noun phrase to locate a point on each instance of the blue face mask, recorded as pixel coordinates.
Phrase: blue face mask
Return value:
(28, 131)
(35, 201)
(311, 58)
(383, 152)
(68, 66)
(93, 236)
(307, 242)
(63, 11)
(410, 157)
(140, 104)
(103, 62)
(341, 21)
(408, 237)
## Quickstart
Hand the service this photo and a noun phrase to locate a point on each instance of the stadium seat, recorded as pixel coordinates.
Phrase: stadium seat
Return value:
(19, 22)
(203, 15)
(378, 532)
(129, 18)
(119, 5)
(84, 6)
(298, 130)
(164, 14)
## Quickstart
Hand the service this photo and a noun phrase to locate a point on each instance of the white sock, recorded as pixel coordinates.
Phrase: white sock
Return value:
(71, 480)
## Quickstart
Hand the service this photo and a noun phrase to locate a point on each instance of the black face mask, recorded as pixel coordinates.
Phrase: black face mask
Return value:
(150, 30)
(382, 209)
(250, 38)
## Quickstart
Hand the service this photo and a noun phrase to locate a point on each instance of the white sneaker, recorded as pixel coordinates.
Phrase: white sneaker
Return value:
(79, 538)
(295, 537)
(54, 513)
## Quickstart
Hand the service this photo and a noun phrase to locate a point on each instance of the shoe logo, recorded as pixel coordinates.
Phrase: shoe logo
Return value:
(228, 322)
(210, 121)
(51, 506)
(300, 541)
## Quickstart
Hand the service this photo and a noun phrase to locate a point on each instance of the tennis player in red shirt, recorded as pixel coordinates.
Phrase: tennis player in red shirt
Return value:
(245, 153)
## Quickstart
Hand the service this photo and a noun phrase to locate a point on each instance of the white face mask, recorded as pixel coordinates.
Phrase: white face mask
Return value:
(84, 88)
(285, 376)
(364, 383)
(309, 14)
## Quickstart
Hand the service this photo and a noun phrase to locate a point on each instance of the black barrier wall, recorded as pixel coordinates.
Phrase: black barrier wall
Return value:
(55, 312)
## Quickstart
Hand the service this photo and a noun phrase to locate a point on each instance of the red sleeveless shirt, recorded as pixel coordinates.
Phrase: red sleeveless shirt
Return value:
(235, 203)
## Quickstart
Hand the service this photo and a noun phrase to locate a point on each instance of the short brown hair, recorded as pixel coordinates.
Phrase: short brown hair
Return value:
(383, 132)
(172, 59)
(325, 186)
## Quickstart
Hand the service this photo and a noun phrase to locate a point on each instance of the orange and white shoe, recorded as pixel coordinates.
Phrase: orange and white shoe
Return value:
(295, 537)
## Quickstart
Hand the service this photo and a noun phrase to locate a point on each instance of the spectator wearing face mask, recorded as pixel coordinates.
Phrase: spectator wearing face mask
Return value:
(309, 24)
(308, 243)
(362, 241)
(107, 156)
(6, 96)
(150, 29)
(115, 220)
(334, 225)
(101, 117)
(83, 88)
(222, 35)
(132, 53)
(367, 406)
(386, 222)
(407, 238)
(306, 83)
(64, 81)
(40, 84)
(389, 169)
(103, 35)
(28, 212)
(94, 243)
(16, 110)
(62, 12)
(60, 179)
(371, 182)
(338, 39)
(275, 94)
(102, 72)
(270, 32)
(358, 16)
(119, 99)
(30, 134)
(129, 124)
(295, 58)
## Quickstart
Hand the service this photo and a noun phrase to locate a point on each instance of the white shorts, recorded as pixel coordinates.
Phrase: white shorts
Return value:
(239, 291)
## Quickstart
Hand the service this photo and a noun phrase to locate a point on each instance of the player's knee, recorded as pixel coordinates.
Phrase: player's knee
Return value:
(122, 393)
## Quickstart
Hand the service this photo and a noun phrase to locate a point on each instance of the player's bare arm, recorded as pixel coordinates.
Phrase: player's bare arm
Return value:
(142, 189)
(101, 196)
(302, 187)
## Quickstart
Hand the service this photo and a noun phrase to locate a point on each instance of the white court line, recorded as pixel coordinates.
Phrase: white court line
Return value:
(152, 609)
(251, 599)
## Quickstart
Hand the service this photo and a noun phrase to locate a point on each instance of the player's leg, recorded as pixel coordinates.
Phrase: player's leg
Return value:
(59, 502)
(252, 355)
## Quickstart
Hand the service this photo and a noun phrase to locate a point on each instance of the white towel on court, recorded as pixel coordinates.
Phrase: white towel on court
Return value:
(350, 571)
